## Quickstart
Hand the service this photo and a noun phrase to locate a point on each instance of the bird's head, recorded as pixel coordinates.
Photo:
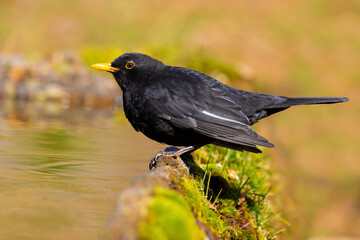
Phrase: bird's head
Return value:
(130, 68)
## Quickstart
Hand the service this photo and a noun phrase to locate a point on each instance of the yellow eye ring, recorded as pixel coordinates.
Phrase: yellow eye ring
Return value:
(129, 65)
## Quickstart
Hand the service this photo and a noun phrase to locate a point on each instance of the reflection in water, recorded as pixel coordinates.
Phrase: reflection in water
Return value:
(61, 170)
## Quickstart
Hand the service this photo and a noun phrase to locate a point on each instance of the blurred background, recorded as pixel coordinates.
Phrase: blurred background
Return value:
(66, 149)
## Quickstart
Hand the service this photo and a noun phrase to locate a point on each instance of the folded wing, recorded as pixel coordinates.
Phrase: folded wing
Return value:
(205, 110)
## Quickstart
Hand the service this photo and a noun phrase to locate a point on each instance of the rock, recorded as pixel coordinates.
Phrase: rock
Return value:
(134, 206)
(186, 201)
(61, 77)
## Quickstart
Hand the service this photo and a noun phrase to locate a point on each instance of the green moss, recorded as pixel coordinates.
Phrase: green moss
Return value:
(220, 216)
(200, 205)
(169, 218)
(228, 195)
(249, 180)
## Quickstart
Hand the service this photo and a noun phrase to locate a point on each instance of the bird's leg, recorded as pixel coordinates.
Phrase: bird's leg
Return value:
(177, 153)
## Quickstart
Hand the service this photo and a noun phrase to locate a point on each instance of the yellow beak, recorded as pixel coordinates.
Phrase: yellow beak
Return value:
(104, 67)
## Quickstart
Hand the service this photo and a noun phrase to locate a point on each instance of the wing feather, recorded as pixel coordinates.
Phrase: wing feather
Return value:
(206, 110)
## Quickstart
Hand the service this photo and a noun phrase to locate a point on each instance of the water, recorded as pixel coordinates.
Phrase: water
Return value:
(62, 170)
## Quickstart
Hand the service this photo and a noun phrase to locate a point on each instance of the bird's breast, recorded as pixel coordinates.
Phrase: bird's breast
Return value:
(146, 116)
(141, 112)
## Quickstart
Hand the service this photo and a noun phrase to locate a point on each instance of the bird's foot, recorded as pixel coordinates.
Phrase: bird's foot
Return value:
(173, 152)
(177, 163)
(169, 152)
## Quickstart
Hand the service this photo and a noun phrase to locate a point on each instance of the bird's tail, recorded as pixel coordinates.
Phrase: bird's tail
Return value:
(288, 102)
(315, 100)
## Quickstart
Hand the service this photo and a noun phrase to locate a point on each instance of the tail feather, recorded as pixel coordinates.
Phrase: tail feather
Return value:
(286, 102)
(306, 101)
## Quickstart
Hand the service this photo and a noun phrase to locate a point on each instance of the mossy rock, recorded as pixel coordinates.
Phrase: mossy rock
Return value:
(178, 201)
(169, 217)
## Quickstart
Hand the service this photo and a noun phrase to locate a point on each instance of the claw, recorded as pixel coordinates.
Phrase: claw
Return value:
(152, 164)
(153, 161)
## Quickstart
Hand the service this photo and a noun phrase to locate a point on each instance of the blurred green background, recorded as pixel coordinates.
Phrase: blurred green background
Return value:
(284, 47)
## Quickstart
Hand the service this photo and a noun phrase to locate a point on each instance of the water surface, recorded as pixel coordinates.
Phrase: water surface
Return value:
(62, 170)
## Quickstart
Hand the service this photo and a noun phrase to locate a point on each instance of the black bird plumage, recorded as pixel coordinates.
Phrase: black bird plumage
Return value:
(184, 107)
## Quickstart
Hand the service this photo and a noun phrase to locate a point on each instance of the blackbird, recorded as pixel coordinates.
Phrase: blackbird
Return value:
(184, 107)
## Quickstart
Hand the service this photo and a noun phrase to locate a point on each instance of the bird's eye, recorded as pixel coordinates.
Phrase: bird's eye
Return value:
(129, 65)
